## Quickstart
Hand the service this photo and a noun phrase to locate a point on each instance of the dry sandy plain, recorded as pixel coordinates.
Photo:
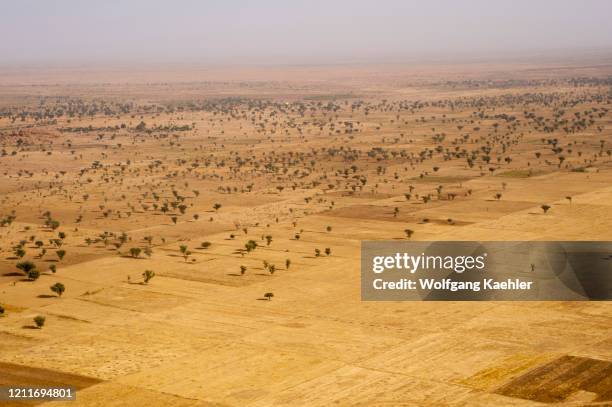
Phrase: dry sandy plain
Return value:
(97, 163)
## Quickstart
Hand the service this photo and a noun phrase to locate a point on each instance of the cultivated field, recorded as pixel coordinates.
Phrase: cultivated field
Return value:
(242, 196)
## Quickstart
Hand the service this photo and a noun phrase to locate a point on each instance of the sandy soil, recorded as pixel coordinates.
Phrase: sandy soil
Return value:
(314, 158)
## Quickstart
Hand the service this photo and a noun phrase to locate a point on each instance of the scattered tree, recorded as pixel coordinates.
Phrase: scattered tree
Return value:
(147, 275)
(58, 288)
(26, 266)
(39, 320)
(250, 245)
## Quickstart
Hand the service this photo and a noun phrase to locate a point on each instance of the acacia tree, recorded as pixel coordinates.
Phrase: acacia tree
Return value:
(250, 245)
(186, 253)
(39, 320)
(58, 288)
(26, 266)
(147, 275)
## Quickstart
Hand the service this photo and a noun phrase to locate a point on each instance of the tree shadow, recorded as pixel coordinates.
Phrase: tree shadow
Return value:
(29, 327)
(12, 274)
(47, 296)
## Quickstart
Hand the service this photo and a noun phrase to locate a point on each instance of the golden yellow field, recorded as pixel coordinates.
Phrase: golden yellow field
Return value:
(107, 174)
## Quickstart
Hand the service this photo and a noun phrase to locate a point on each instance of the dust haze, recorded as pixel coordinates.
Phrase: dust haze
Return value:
(281, 32)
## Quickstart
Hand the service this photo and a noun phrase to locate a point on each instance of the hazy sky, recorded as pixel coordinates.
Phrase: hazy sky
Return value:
(285, 31)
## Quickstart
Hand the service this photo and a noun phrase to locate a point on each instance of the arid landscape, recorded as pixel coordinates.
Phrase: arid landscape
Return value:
(191, 237)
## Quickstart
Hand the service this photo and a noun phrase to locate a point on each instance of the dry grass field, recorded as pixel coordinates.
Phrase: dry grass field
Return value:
(246, 192)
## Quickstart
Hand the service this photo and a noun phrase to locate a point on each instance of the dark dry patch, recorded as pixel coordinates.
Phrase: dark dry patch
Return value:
(375, 212)
(360, 195)
(18, 375)
(224, 279)
(433, 179)
(407, 214)
(521, 173)
(559, 379)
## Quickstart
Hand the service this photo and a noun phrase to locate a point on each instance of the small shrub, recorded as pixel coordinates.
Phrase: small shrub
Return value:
(61, 254)
(135, 252)
(39, 320)
(147, 275)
